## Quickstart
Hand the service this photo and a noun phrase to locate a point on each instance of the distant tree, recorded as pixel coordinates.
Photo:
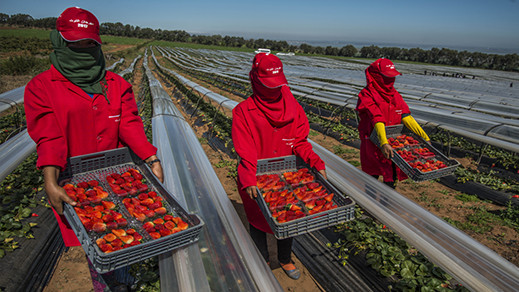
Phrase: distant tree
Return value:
(47, 22)
(331, 51)
(370, 52)
(20, 19)
(4, 18)
(348, 51)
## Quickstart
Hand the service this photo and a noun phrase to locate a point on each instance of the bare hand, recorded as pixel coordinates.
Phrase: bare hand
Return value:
(57, 196)
(387, 151)
(323, 173)
(156, 168)
(252, 191)
(55, 193)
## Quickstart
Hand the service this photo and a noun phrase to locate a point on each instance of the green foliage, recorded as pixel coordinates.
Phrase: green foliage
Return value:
(17, 193)
(489, 179)
(467, 198)
(24, 65)
(391, 256)
(146, 274)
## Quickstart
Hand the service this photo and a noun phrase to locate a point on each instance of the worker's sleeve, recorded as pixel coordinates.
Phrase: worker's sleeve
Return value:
(412, 125)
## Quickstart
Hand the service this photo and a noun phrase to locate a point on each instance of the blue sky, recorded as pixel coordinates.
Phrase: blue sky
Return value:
(441, 23)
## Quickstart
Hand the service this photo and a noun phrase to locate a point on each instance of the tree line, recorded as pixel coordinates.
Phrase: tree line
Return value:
(444, 56)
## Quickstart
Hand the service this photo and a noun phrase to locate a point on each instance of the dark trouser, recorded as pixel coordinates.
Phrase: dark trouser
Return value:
(391, 184)
(284, 245)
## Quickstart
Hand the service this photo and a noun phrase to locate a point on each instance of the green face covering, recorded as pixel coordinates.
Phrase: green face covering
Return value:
(84, 67)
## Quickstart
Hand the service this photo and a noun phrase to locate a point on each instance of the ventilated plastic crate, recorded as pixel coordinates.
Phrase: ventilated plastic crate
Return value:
(413, 173)
(97, 165)
(344, 212)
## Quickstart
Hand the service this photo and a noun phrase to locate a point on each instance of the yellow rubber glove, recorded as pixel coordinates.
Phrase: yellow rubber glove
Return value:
(412, 125)
(381, 133)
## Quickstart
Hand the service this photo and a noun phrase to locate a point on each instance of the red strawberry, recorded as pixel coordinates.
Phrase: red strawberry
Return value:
(108, 218)
(99, 227)
(140, 216)
(93, 183)
(117, 243)
(119, 232)
(155, 205)
(127, 239)
(158, 221)
(168, 217)
(170, 225)
(122, 222)
(116, 215)
(161, 211)
(112, 225)
(130, 231)
(108, 205)
(100, 241)
(106, 248)
(155, 235)
(137, 236)
(135, 242)
(148, 225)
(152, 194)
(165, 232)
(183, 225)
(149, 213)
(147, 201)
(142, 197)
(110, 237)
(83, 185)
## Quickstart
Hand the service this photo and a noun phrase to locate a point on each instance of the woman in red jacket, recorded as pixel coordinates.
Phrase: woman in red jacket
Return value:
(77, 107)
(380, 105)
(270, 123)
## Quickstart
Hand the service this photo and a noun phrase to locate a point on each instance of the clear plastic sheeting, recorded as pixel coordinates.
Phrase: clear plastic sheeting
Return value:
(11, 98)
(131, 67)
(467, 104)
(225, 258)
(470, 262)
(115, 64)
(14, 151)
(467, 260)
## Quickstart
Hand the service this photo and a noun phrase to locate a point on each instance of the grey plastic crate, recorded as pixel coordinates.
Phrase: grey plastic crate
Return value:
(113, 160)
(344, 212)
(413, 173)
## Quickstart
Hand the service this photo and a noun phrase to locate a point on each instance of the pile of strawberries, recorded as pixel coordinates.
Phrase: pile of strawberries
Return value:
(164, 226)
(127, 183)
(429, 165)
(118, 239)
(270, 182)
(301, 176)
(303, 197)
(99, 214)
(402, 141)
(417, 156)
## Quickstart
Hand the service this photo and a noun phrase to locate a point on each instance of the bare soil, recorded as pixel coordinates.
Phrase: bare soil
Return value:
(71, 273)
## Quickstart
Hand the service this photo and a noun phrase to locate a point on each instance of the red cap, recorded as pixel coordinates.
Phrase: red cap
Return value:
(269, 70)
(75, 24)
(387, 68)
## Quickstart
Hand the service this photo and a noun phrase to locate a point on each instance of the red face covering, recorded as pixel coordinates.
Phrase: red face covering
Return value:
(275, 103)
(382, 84)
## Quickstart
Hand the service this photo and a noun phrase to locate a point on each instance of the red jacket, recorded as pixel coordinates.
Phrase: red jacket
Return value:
(64, 121)
(373, 108)
(255, 138)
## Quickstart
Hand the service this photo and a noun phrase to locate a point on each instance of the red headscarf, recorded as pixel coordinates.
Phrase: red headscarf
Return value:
(277, 104)
(380, 82)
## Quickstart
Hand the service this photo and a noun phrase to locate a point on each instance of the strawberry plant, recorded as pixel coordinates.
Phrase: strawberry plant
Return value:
(18, 193)
(391, 256)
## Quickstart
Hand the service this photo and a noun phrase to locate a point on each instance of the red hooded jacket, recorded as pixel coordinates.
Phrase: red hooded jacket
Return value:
(378, 102)
(254, 138)
(64, 121)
